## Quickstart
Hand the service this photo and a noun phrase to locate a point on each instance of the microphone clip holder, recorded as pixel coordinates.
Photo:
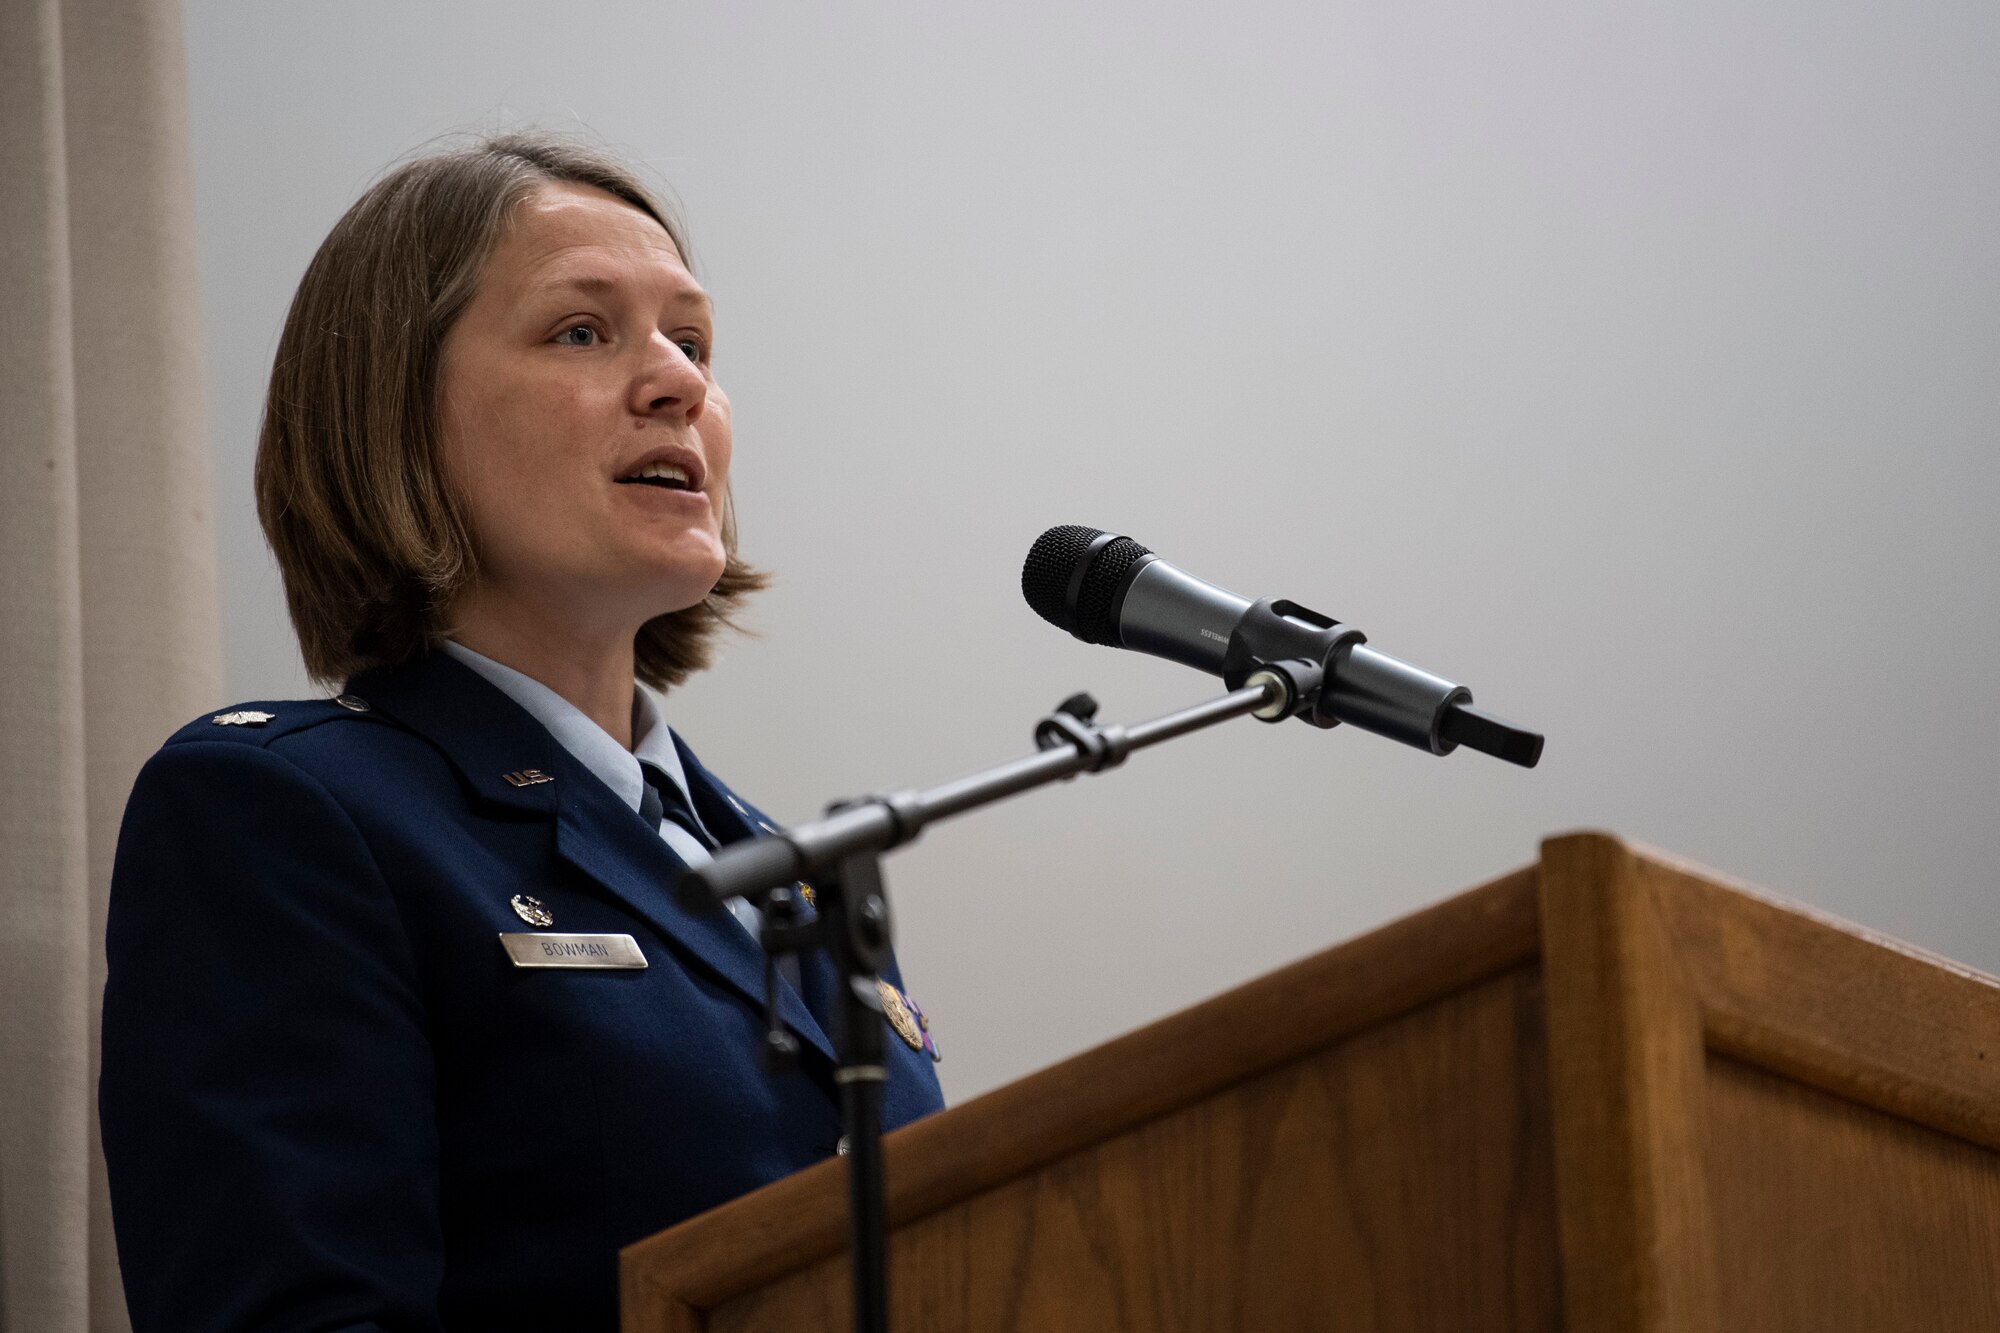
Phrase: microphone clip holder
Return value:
(1295, 646)
(1295, 687)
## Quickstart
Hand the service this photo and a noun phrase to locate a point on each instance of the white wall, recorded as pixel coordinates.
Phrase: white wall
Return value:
(1635, 365)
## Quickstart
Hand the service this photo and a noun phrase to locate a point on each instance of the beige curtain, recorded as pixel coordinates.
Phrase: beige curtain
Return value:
(108, 633)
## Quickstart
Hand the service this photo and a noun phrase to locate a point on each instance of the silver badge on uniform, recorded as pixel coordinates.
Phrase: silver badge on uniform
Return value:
(531, 910)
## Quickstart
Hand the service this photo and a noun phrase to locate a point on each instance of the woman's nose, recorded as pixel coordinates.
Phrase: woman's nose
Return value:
(672, 384)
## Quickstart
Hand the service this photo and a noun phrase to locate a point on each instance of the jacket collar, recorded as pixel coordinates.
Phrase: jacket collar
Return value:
(504, 756)
(497, 747)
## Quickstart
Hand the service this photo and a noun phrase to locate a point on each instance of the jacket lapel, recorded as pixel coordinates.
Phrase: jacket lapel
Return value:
(488, 737)
(819, 980)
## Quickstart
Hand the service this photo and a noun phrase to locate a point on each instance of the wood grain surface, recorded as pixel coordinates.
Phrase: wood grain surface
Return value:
(1613, 1092)
(1765, 1118)
(1841, 1008)
(1626, 1070)
(1013, 1131)
(1831, 1217)
(1398, 1180)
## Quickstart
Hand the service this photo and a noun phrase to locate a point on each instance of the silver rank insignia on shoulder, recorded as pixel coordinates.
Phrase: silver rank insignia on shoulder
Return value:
(531, 910)
(248, 717)
(527, 777)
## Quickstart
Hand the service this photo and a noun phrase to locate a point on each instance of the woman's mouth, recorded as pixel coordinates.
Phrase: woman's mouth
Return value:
(665, 475)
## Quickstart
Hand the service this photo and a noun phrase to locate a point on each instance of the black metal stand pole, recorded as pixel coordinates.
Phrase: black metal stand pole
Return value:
(861, 1109)
(855, 913)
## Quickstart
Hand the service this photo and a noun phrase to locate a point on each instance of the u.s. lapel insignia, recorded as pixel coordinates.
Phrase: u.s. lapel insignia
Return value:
(247, 717)
(527, 777)
(899, 1015)
(531, 910)
(806, 892)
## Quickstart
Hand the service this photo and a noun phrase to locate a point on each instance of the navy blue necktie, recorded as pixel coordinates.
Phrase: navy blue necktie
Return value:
(662, 799)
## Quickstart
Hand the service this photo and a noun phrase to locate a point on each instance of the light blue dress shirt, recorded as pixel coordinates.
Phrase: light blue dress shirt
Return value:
(614, 765)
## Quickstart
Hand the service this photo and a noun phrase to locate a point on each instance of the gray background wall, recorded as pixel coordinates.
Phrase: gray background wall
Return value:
(1635, 365)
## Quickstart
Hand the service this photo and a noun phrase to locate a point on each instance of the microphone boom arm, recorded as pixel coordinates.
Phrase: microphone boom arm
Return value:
(1069, 743)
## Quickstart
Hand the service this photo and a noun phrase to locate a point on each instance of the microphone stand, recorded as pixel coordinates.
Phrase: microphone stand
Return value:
(842, 853)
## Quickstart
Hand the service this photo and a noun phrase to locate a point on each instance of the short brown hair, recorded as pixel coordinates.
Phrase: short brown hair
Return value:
(372, 537)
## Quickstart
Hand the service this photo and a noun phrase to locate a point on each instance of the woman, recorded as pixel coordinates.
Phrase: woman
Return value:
(494, 468)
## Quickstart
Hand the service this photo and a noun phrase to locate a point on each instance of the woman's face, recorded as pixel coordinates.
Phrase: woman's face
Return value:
(582, 421)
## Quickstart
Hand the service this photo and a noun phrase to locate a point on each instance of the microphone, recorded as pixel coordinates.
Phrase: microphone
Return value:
(1106, 588)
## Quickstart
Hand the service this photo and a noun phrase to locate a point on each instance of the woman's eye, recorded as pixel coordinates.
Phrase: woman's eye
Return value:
(578, 335)
(692, 350)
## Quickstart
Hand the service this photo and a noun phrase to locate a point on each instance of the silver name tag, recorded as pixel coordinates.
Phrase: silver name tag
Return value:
(543, 950)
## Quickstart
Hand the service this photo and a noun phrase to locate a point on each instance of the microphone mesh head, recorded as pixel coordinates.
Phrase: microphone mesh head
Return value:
(1051, 560)
(1094, 600)
(1051, 566)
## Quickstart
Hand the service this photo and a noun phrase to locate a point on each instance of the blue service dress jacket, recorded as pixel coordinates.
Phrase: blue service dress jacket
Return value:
(330, 1100)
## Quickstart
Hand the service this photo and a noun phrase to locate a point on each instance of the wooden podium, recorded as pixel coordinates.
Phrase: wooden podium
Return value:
(1604, 1092)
